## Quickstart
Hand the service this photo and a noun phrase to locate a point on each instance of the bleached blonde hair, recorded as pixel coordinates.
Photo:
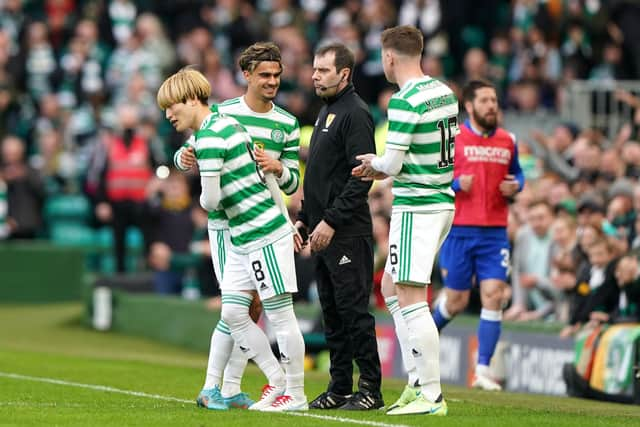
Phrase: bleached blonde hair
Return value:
(188, 83)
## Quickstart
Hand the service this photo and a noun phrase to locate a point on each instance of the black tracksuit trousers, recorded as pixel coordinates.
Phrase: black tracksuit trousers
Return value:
(344, 271)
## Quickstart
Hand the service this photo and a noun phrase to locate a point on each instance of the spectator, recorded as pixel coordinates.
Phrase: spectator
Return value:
(533, 295)
(125, 162)
(25, 190)
(154, 41)
(40, 61)
(590, 278)
(170, 213)
(565, 257)
(56, 166)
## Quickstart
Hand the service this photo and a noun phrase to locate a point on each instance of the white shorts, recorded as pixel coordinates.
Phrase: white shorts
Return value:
(414, 241)
(269, 270)
(220, 244)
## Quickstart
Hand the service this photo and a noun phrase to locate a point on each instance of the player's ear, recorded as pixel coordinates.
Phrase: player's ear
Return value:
(468, 106)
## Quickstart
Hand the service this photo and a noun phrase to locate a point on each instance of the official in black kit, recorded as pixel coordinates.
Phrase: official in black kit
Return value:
(336, 215)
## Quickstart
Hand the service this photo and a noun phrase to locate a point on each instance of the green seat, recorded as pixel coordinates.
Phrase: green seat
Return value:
(134, 239)
(67, 207)
(71, 234)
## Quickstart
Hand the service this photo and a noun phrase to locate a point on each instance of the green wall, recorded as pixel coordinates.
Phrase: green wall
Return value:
(39, 272)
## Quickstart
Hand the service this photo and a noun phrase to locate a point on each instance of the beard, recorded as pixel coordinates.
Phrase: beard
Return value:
(487, 122)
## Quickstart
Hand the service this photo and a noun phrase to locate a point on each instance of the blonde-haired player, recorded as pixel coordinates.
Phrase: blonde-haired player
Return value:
(261, 255)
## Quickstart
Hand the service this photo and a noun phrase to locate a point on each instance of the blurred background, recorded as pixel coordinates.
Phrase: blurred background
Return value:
(76, 76)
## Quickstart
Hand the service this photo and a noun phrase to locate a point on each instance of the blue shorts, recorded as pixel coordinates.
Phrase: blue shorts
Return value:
(483, 257)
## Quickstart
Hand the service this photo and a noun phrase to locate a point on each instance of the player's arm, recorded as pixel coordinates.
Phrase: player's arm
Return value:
(374, 167)
(210, 196)
(514, 181)
(209, 151)
(516, 170)
(184, 157)
(290, 178)
(276, 194)
(402, 123)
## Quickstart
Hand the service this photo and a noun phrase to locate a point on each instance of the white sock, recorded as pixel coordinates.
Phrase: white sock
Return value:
(232, 380)
(249, 337)
(403, 339)
(482, 370)
(425, 347)
(442, 306)
(219, 351)
(279, 311)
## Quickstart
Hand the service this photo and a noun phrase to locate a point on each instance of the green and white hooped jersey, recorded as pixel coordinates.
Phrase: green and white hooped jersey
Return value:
(4, 211)
(423, 122)
(222, 148)
(276, 131)
(279, 134)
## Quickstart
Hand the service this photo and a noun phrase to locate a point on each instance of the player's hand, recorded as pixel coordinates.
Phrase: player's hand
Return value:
(321, 236)
(509, 186)
(365, 171)
(187, 158)
(300, 238)
(267, 163)
(466, 182)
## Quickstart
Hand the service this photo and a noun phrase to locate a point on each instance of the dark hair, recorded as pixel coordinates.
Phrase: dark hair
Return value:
(404, 39)
(469, 90)
(541, 202)
(344, 58)
(257, 53)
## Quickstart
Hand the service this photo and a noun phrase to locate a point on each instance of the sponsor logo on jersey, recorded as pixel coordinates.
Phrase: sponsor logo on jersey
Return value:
(479, 153)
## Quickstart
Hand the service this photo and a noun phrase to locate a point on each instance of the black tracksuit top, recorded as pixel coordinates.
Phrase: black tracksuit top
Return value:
(343, 130)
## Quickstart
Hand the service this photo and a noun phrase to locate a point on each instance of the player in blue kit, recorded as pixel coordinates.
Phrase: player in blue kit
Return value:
(486, 175)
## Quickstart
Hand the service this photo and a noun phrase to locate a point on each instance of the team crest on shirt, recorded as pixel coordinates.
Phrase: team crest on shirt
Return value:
(329, 120)
(277, 135)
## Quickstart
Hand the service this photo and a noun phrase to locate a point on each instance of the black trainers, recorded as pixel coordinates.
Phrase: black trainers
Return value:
(329, 400)
(363, 400)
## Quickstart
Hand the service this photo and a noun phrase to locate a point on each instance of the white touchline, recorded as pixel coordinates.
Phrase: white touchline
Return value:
(176, 399)
(91, 387)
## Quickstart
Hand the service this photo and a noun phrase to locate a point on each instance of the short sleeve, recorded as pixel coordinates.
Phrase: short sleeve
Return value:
(210, 151)
(402, 123)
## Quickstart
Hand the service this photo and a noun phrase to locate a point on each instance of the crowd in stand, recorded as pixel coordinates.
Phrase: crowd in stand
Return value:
(77, 76)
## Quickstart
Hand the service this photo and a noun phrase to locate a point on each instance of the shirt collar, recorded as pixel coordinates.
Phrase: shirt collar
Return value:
(478, 132)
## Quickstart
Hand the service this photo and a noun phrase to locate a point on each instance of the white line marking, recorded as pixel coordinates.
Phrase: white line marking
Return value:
(344, 420)
(176, 399)
(92, 387)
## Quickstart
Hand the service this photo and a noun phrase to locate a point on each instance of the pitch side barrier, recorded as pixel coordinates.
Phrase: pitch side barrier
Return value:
(37, 272)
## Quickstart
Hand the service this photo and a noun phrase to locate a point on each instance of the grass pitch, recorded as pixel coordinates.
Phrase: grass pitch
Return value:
(54, 371)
